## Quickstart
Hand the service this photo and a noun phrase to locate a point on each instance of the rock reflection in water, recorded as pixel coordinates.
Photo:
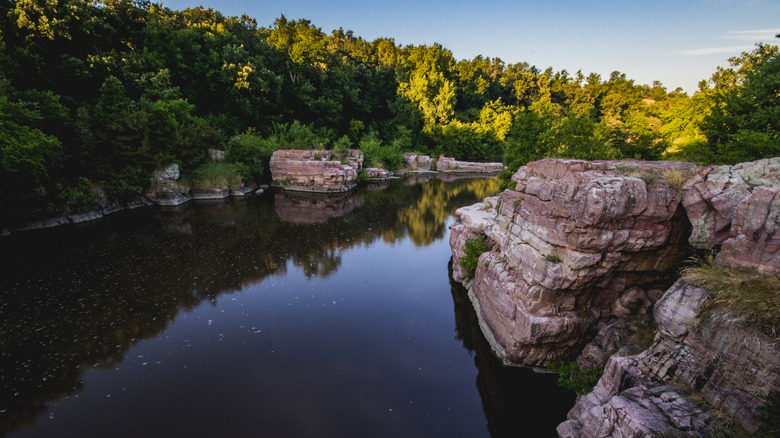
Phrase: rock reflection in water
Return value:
(77, 299)
(314, 208)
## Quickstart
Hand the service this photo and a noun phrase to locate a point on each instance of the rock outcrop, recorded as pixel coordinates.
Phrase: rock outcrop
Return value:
(574, 244)
(724, 360)
(586, 245)
(420, 163)
(315, 171)
(166, 188)
(711, 197)
(447, 164)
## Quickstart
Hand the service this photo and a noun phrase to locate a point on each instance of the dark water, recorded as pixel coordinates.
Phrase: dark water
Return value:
(276, 316)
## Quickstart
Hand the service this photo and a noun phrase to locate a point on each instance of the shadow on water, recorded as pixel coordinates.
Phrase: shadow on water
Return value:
(517, 401)
(77, 299)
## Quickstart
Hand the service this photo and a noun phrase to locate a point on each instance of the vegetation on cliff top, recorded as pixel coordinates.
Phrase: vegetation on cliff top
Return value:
(746, 292)
(100, 93)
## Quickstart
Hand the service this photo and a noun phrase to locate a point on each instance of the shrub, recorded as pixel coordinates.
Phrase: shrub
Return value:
(750, 294)
(571, 376)
(473, 248)
(554, 258)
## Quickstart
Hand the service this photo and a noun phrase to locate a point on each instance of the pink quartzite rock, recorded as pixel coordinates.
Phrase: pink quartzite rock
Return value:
(711, 196)
(575, 243)
(313, 171)
(413, 161)
(724, 360)
(755, 233)
(447, 164)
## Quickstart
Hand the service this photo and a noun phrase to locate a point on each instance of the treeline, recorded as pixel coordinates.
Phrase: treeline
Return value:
(95, 95)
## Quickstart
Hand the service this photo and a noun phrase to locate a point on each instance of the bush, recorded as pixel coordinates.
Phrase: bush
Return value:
(250, 150)
(571, 376)
(473, 248)
(376, 155)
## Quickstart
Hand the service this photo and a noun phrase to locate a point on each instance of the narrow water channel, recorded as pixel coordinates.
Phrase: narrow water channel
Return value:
(280, 315)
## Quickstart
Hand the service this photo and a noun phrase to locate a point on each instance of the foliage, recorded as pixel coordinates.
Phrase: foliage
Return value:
(377, 155)
(571, 376)
(472, 249)
(108, 91)
(744, 291)
(250, 150)
(553, 258)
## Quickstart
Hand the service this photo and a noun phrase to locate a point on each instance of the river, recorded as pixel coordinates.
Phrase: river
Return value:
(280, 315)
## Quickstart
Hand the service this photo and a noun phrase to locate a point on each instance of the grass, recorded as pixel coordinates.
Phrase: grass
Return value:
(747, 293)
(219, 175)
(473, 248)
(674, 177)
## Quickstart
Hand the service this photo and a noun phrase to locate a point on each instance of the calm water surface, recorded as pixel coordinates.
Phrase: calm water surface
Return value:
(280, 315)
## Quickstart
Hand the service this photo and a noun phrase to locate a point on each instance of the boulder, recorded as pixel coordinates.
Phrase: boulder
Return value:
(574, 244)
(166, 189)
(375, 174)
(420, 163)
(712, 195)
(315, 171)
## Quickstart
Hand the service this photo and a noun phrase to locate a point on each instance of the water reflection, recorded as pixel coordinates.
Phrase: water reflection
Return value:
(535, 409)
(315, 208)
(78, 299)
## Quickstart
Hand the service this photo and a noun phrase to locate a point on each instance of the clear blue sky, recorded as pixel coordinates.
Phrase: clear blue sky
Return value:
(678, 42)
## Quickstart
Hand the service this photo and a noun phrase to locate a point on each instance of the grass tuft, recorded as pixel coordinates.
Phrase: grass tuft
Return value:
(747, 293)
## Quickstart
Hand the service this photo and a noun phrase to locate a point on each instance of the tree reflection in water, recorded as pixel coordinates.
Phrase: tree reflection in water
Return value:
(79, 298)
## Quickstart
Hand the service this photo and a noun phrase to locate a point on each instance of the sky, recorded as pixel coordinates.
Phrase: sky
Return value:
(677, 42)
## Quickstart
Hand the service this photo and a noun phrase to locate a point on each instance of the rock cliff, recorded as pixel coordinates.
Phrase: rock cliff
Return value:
(574, 244)
(584, 247)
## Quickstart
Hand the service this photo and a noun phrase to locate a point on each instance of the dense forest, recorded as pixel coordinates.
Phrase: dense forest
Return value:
(97, 94)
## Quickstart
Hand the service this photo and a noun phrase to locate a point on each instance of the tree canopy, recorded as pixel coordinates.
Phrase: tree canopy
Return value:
(96, 94)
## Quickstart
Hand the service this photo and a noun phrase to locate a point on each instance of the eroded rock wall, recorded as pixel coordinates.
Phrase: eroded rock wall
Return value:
(575, 243)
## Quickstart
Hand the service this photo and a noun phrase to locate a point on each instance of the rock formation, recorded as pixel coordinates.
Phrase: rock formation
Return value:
(421, 163)
(447, 164)
(711, 196)
(315, 171)
(574, 244)
(166, 188)
(585, 245)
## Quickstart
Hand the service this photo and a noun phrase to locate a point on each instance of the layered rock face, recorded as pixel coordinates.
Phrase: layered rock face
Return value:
(728, 362)
(447, 164)
(575, 243)
(711, 197)
(314, 171)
